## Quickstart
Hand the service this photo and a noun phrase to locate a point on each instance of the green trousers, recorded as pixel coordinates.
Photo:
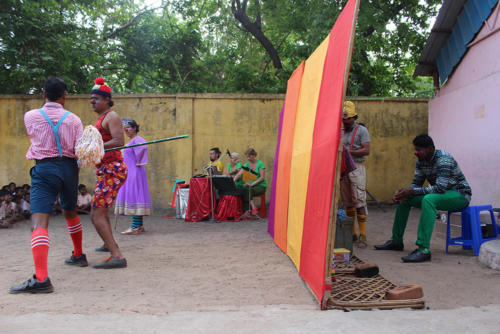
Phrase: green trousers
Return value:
(247, 196)
(430, 203)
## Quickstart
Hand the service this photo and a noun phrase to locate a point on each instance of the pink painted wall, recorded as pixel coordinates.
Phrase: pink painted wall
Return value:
(464, 117)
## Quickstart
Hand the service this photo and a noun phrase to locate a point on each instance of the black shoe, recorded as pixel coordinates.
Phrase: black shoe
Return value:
(32, 285)
(103, 248)
(391, 245)
(354, 238)
(80, 261)
(417, 256)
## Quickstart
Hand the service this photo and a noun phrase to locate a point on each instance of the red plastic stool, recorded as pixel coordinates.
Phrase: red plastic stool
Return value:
(262, 210)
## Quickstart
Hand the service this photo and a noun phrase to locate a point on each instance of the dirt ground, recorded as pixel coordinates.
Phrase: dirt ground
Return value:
(188, 267)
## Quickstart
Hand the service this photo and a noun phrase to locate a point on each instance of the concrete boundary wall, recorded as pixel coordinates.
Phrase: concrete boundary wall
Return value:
(228, 121)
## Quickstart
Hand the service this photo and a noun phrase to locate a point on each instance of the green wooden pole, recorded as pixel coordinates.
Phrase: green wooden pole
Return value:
(147, 143)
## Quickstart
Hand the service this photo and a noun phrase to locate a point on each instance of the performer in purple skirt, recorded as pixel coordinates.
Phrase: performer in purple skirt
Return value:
(134, 198)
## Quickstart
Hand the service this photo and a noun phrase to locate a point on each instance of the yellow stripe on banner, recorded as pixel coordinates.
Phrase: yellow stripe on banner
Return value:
(301, 152)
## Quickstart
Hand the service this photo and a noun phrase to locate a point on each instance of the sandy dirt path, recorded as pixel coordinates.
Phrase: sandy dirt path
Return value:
(174, 266)
(188, 267)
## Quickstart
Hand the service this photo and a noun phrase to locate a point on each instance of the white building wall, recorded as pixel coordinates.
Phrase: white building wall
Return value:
(464, 117)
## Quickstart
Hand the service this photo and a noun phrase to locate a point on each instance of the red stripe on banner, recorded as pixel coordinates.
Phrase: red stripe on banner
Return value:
(285, 158)
(324, 154)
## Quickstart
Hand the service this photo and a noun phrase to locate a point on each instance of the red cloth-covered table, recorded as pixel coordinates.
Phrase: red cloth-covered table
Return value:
(198, 207)
(228, 208)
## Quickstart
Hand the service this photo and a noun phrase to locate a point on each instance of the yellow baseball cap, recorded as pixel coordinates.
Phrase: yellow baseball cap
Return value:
(348, 110)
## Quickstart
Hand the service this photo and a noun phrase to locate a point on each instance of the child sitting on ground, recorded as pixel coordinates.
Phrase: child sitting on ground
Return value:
(9, 210)
(16, 207)
(19, 191)
(12, 187)
(25, 206)
(84, 200)
(3, 209)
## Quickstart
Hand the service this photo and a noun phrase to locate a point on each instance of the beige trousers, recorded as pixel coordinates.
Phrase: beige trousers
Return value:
(353, 188)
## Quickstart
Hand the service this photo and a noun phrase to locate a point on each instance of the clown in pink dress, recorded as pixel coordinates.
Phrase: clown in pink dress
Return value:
(134, 198)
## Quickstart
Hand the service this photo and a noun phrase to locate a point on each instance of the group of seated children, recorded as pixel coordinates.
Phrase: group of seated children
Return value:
(83, 201)
(14, 204)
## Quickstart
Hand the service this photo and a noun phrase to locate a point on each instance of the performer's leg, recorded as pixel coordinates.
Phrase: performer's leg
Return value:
(255, 191)
(401, 217)
(40, 244)
(100, 219)
(449, 201)
(362, 217)
(245, 198)
(110, 177)
(75, 231)
(68, 200)
(136, 222)
(347, 201)
(358, 189)
(45, 184)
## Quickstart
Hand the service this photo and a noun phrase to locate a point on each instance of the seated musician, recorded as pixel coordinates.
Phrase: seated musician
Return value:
(233, 169)
(215, 164)
(258, 185)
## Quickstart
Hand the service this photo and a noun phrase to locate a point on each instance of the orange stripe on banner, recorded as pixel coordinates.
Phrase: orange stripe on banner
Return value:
(285, 157)
(301, 153)
(324, 154)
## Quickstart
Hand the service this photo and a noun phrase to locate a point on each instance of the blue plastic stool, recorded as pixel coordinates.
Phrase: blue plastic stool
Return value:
(472, 235)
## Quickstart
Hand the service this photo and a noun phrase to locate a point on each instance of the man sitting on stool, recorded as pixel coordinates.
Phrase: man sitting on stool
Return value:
(448, 191)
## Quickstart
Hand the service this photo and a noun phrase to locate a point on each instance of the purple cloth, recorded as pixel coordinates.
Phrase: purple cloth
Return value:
(133, 197)
(270, 221)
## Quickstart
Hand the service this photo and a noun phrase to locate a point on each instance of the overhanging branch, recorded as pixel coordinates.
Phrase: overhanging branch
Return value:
(129, 23)
(238, 9)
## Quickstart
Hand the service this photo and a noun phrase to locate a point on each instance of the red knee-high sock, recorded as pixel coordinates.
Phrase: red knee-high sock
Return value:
(40, 249)
(75, 231)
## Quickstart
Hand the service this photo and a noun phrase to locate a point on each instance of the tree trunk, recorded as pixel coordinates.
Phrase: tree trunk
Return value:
(239, 12)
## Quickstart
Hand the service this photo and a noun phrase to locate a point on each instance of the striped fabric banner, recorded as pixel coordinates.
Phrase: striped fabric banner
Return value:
(307, 154)
(301, 152)
(272, 202)
(285, 157)
(325, 145)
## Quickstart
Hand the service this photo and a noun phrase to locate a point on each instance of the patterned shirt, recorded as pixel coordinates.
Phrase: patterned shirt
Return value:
(443, 173)
(43, 140)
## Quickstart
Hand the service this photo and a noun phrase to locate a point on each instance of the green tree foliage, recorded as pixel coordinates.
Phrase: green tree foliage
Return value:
(43, 38)
(205, 45)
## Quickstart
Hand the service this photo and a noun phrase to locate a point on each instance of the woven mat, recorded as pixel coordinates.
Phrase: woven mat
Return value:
(354, 293)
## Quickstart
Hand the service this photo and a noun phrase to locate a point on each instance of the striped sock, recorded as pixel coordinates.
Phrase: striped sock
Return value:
(40, 248)
(75, 231)
(362, 224)
(136, 222)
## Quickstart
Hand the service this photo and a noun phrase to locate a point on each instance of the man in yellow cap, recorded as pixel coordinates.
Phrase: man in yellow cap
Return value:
(353, 185)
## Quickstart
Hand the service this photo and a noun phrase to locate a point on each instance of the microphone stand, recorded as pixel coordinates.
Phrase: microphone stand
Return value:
(212, 219)
(210, 174)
